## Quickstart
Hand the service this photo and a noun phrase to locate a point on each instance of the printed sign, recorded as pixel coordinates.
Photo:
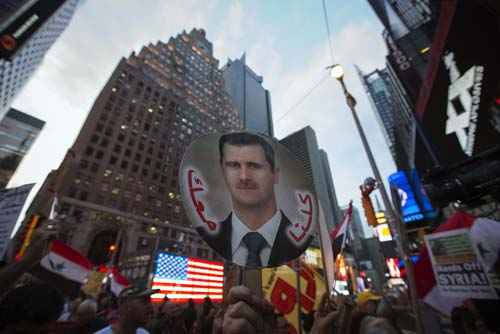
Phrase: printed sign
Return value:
(279, 286)
(248, 198)
(456, 266)
(11, 203)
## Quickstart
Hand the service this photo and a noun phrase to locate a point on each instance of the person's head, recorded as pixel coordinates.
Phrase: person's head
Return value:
(30, 308)
(134, 306)
(86, 311)
(249, 169)
(191, 303)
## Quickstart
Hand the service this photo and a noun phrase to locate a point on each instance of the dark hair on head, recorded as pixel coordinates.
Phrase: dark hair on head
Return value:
(36, 303)
(244, 139)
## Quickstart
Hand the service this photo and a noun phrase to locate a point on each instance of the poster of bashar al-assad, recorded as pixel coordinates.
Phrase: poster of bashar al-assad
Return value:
(248, 198)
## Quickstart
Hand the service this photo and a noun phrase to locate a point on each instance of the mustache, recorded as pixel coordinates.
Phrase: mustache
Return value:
(247, 185)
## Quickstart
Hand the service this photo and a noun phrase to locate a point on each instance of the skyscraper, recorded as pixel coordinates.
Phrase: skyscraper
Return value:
(251, 99)
(119, 179)
(380, 94)
(27, 31)
(18, 132)
(304, 145)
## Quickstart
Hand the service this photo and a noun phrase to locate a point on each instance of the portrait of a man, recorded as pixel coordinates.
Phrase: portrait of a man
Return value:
(254, 233)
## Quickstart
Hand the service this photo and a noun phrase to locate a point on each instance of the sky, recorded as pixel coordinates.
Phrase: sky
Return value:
(284, 41)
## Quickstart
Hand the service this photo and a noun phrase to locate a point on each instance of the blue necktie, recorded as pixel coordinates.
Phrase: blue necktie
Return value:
(255, 243)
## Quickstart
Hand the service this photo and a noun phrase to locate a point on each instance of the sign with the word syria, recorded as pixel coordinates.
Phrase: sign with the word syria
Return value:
(11, 203)
(248, 198)
(457, 268)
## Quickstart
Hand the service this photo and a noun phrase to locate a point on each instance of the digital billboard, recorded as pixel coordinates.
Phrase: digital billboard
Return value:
(24, 24)
(413, 203)
(459, 106)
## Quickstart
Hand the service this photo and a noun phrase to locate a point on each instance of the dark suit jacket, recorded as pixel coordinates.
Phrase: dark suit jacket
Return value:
(282, 251)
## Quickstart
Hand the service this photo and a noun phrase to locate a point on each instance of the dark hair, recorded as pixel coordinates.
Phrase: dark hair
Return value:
(38, 303)
(244, 139)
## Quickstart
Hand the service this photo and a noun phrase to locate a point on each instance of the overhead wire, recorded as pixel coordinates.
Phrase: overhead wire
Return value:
(299, 102)
(309, 92)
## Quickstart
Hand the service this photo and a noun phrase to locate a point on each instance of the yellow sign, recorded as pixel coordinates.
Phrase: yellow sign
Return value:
(94, 283)
(279, 287)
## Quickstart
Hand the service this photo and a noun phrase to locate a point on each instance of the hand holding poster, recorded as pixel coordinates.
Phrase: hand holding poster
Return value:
(456, 265)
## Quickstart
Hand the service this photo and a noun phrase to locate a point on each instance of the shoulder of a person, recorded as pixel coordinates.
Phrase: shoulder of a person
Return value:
(105, 330)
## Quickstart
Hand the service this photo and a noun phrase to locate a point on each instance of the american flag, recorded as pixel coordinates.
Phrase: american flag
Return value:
(181, 278)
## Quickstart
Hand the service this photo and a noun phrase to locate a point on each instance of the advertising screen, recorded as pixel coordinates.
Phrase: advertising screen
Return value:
(181, 278)
(459, 105)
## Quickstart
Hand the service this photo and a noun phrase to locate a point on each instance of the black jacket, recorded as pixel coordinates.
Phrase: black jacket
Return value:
(282, 251)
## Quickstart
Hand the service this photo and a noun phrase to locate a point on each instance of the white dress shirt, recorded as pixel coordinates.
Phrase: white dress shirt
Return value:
(239, 230)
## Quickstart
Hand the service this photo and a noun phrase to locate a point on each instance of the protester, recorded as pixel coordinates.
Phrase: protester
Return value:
(30, 309)
(189, 315)
(86, 317)
(135, 310)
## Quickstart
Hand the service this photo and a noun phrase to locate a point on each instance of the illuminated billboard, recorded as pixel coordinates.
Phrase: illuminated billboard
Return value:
(181, 278)
(413, 204)
(459, 104)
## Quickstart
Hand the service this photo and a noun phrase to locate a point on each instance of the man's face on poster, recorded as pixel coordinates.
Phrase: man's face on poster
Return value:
(248, 175)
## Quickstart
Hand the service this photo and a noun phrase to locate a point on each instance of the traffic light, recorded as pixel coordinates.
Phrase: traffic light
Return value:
(112, 248)
(380, 216)
(369, 212)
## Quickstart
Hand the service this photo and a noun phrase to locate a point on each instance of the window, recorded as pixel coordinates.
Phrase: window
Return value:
(94, 168)
(124, 164)
(117, 148)
(135, 168)
(128, 152)
(147, 161)
(99, 154)
(145, 172)
(113, 160)
(109, 131)
(104, 142)
(89, 150)
(94, 139)
(99, 127)
(121, 137)
(84, 164)
(84, 195)
(138, 157)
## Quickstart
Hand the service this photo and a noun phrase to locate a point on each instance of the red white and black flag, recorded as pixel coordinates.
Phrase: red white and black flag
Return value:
(339, 233)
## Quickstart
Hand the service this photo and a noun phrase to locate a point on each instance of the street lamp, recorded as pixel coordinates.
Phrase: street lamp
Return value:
(397, 227)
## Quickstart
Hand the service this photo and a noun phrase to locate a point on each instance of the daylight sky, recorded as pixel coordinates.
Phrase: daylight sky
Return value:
(285, 42)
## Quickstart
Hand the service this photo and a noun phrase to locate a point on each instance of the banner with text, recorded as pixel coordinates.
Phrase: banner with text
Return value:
(457, 269)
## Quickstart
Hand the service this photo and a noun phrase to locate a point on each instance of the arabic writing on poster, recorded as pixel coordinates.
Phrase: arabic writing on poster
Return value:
(300, 229)
(196, 187)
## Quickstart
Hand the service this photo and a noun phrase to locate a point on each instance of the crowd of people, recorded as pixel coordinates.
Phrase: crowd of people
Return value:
(38, 307)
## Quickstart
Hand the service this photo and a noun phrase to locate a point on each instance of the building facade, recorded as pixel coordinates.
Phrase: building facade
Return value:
(251, 99)
(17, 68)
(118, 184)
(18, 132)
(304, 145)
(409, 30)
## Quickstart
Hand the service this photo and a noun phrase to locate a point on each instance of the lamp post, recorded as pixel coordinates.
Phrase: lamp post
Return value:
(397, 227)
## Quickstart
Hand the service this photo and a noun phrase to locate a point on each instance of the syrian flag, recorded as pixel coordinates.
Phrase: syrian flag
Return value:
(118, 281)
(339, 233)
(67, 262)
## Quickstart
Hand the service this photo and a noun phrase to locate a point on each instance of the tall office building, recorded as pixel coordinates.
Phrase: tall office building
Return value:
(380, 95)
(18, 132)
(119, 180)
(28, 29)
(409, 30)
(251, 99)
(304, 145)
